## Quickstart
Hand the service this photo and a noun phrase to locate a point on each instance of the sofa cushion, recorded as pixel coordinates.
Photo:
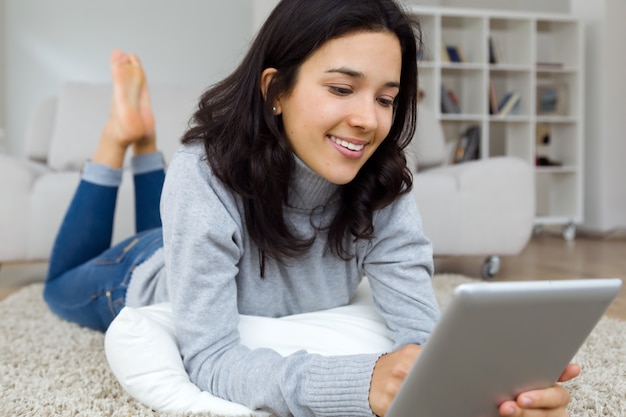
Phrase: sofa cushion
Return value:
(83, 108)
(40, 131)
(17, 181)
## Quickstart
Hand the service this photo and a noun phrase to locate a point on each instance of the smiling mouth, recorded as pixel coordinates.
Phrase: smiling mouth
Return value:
(348, 145)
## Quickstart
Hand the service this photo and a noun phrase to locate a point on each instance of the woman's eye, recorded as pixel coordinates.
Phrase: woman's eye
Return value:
(340, 91)
(385, 102)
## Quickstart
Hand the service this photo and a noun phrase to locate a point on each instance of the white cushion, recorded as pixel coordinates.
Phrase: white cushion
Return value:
(40, 131)
(143, 353)
(16, 180)
(82, 110)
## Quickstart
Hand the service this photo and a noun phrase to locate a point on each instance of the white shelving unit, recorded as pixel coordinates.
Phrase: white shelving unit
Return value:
(2, 139)
(537, 55)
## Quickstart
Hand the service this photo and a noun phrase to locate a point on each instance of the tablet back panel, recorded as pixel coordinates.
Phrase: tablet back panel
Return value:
(496, 340)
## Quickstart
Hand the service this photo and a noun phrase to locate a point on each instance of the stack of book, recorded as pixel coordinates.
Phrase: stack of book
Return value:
(468, 145)
(508, 104)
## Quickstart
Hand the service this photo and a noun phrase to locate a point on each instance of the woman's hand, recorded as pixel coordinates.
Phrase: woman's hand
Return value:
(549, 402)
(391, 370)
(389, 373)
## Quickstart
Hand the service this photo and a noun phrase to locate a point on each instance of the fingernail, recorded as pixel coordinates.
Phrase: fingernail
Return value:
(526, 401)
(508, 411)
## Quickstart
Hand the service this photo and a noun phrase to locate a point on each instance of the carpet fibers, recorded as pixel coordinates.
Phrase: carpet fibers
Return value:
(52, 368)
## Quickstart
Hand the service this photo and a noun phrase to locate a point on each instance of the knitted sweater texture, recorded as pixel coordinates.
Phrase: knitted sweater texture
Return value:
(209, 270)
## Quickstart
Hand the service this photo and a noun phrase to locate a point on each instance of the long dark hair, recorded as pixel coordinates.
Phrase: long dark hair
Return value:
(245, 143)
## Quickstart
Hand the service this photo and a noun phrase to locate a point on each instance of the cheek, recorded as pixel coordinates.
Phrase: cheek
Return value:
(384, 127)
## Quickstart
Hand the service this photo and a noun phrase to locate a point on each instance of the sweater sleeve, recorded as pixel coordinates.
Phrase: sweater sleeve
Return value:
(399, 267)
(202, 246)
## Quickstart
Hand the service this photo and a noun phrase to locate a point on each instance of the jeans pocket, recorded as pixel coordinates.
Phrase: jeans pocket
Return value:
(115, 301)
(117, 253)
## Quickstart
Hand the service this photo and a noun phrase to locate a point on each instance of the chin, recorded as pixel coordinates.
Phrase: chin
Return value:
(341, 178)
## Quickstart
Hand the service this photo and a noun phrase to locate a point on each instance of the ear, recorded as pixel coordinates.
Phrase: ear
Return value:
(266, 78)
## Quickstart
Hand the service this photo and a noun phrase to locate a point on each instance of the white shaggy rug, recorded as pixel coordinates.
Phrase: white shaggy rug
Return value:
(52, 368)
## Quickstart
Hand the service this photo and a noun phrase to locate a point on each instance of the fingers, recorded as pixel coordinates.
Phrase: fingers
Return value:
(545, 402)
(510, 409)
(550, 402)
(553, 397)
(389, 373)
(571, 371)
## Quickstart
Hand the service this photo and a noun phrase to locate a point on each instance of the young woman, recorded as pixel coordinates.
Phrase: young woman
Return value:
(290, 186)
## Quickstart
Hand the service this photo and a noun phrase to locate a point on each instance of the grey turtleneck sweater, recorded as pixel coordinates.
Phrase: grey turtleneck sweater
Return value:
(209, 271)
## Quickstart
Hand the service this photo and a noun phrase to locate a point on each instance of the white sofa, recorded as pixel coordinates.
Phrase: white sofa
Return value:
(476, 208)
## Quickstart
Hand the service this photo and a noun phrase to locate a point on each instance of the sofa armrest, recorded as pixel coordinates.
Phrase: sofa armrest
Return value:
(483, 207)
(17, 178)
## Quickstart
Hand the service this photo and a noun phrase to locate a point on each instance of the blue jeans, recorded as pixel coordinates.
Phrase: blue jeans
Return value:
(87, 278)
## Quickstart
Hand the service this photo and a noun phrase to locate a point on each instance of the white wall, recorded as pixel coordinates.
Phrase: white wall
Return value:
(547, 6)
(605, 90)
(49, 42)
(2, 80)
(260, 11)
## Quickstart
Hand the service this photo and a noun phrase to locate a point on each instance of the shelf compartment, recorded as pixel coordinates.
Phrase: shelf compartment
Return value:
(509, 39)
(512, 139)
(557, 95)
(513, 81)
(557, 43)
(454, 129)
(467, 33)
(429, 38)
(427, 83)
(557, 194)
(468, 86)
(557, 142)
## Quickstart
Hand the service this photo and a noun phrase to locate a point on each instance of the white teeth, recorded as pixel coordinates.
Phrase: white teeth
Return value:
(347, 144)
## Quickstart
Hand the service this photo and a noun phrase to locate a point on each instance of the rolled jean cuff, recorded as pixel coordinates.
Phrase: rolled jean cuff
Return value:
(142, 164)
(101, 174)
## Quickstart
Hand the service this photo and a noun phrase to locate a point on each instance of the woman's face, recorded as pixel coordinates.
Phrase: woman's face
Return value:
(341, 107)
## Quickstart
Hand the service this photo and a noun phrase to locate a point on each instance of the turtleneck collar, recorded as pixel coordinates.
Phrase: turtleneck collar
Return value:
(308, 190)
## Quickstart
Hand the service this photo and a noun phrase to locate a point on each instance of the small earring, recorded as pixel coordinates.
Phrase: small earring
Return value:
(274, 110)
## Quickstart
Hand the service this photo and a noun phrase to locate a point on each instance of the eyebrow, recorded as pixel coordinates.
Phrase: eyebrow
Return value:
(357, 74)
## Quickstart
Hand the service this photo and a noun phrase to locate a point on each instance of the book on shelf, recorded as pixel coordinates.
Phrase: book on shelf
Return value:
(496, 53)
(454, 53)
(509, 103)
(449, 101)
(493, 58)
(493, 97)
(549, 66)
(552, 100)
(468, 145)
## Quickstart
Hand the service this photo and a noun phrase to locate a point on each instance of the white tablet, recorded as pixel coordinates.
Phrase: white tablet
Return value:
(498, 339)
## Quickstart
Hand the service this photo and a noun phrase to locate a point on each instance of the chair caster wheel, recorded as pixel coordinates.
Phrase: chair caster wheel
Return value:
(491, 267)
(569, 232)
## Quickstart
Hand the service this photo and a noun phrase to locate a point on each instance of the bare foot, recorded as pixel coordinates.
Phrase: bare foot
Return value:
(131, 121)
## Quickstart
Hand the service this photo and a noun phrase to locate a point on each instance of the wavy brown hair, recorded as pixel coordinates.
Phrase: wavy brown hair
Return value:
(246, 145)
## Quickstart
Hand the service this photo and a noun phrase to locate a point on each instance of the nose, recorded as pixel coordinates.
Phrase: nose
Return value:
(364, 114)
